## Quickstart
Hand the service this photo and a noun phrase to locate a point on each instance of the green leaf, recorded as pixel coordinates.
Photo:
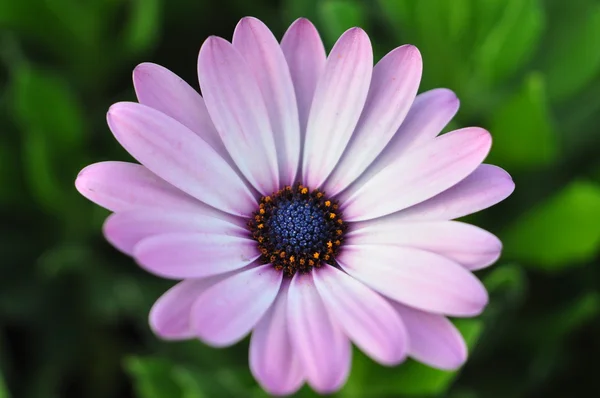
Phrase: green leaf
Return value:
(418, 379)
(190, 383)
(508, 280)
(399, 13)
(411, 378)
(65, 258)
(463, 394)
(441, 28)
(294, 9)
(485, 16)
(559, 233)
(4, 393)
(573, 59)
(38, 167)
(8, 176)
(142, 28)
(51, 120)
(524, 135)
(65, 28)
(507, 287)
(152, 377)
(157, 377)
(42, 101)
(562, 321)
(338, 16)
(510, 43)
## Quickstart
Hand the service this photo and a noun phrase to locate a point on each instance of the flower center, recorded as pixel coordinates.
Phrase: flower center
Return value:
(297, 229)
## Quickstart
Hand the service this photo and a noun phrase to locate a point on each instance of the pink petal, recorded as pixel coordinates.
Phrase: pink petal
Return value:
(483, 188)
(266, 61)
(171, 313)
(323, 348)
(429, 114)
(125, 230)
(237, 109)
(194, 255)
(434, 340)
(177, 155)
(339, 99)
(418, 176)
(161, 89)
(122, 186)
(414, 277)
(465, 244)
(305, 56)
(228, 311)
(273, 361)
(393, 88)
(366, 317)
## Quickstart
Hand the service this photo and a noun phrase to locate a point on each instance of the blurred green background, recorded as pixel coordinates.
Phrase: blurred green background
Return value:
(73, 311)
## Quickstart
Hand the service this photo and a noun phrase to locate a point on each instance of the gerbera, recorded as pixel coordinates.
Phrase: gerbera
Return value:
(304, 198)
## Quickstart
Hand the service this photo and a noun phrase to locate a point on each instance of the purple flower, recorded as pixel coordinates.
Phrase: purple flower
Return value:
(306, 199)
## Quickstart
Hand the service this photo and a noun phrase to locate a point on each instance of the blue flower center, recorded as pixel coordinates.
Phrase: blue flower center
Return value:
(298, 226)
(297, 230)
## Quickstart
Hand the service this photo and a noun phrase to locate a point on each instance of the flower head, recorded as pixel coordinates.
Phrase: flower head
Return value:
(304, 198)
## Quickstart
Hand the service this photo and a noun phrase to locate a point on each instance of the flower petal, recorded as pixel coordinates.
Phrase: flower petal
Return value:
(122, 186)
(228, 311)
(319, 341)
(171, 313)
(339, 99)
(465, 244)
(393, 88)
(265, 59)
(126, 229)
(429, 114)
(161, 89)
(305, 56)
(414, 277)
(418, 176)
(366, 317)
(177, 155)
(194, 255)
(483, 188)
(273, 361)
(237, 109)
(434, 340)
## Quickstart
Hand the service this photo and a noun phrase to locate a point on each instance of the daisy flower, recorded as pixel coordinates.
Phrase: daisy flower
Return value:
(305, 199)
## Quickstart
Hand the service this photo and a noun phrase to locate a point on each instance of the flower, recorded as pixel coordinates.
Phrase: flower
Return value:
(306, 199)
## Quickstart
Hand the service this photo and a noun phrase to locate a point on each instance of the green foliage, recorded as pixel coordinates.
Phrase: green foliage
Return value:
(561, 231)
(4, 393)
(411, 379)
(524, 135)
(52, 123)
(514, 34)
(573, 59)
(340, 16)
(141, 32)
(559, 324)
(73, 311)
(153, 378)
